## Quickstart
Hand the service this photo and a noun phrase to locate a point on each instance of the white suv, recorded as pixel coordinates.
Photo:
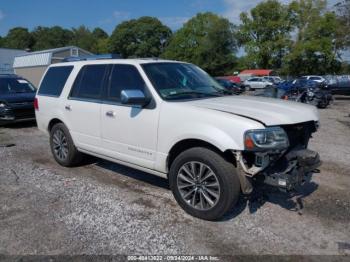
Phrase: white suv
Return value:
(172, 119)
(256, 83)
(318, 79)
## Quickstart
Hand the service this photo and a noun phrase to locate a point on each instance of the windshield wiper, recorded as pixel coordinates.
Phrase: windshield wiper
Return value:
(193, 93)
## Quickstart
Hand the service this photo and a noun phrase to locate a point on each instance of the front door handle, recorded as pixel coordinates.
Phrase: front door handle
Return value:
(111, 114)
(68, 107)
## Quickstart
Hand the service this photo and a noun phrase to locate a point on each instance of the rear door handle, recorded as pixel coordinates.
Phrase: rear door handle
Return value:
(111, 114)
(68, 107)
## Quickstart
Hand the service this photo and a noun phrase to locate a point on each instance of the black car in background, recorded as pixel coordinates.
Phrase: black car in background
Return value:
(230, 86)
(16, 99)
(339, 85)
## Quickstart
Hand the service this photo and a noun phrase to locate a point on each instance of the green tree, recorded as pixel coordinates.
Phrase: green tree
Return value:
(244, 62)
(343, 14)
(316, 49)
(102, 41)
(46, 37)
(206, 40)
(83, 38)
(99, 33)
(18, 38)
(143, 37)
(265, 34)
(102, 46)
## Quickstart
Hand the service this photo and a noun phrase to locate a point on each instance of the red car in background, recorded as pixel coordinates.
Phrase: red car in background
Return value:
(233, 79)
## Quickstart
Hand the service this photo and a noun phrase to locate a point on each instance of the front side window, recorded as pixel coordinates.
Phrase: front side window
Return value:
(124, 77)
(54, 80)
(89, 82)
(181, 81)
(14, 86)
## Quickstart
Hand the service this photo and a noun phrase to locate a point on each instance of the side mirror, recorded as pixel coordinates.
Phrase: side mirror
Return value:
(134, 97)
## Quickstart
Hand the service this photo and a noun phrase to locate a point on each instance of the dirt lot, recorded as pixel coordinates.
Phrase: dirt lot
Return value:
(104, 208)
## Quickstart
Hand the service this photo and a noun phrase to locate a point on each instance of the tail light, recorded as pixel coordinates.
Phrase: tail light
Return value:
(36, 104)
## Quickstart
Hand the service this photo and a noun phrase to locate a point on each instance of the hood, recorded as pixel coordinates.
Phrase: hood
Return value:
(268, 111)
(17, 97)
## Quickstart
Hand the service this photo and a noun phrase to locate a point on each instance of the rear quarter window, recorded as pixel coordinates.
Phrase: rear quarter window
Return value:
(89, 82)
(54, 80)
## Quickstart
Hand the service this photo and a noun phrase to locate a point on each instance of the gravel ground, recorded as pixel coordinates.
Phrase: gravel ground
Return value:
(104, 208)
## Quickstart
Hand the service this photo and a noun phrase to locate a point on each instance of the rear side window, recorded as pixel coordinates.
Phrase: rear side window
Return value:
(89, 82)
(54, 80)
(124, 77)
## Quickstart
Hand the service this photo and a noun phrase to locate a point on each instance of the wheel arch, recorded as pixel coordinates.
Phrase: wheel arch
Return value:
(53, 122)
(186, 144)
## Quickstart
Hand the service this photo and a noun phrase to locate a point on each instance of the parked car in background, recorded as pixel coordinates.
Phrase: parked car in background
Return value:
(339, 85)
(273, 79)
(300, 90)
(256, 83)
(318, 79)
(230, 86)
(304, 83)
(318, 95)
(233, 79)
(16, 99)
(298, 83)
(167, 118)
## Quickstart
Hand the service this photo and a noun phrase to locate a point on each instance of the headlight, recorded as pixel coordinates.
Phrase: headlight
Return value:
(264, 139)
(2, 105)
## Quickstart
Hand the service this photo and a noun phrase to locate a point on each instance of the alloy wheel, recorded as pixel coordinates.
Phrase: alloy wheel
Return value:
(198, 185)
(60, 145)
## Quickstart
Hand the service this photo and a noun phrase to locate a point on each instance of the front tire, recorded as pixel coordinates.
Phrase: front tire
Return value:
(203, 183)
(62, 146)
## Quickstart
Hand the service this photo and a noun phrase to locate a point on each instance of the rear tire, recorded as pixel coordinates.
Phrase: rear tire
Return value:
(62, 146)
(209, 198)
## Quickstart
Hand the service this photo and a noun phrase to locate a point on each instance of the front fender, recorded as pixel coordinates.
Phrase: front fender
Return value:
(206, 133)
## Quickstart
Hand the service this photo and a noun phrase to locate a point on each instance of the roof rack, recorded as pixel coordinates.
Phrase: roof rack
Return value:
(92, 57)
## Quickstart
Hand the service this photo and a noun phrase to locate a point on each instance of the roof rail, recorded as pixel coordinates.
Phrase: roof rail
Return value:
(91, 57)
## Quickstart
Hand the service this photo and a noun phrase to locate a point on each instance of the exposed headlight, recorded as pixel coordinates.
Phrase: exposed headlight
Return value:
(2, 105)
(263, 139)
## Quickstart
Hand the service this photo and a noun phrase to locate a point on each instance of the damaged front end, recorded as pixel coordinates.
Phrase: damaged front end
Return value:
(278, 156)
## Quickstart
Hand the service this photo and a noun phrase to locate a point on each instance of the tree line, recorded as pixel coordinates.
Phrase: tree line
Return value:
(302, 37)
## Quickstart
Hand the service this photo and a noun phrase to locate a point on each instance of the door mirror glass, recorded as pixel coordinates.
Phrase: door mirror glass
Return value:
(134, 97)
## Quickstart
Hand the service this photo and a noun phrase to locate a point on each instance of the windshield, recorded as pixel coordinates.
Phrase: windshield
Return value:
(14, 85)
(181, 81)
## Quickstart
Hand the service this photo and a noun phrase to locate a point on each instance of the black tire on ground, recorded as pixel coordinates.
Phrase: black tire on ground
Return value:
(323, 105)
(226, 175)
(73, 156)
(248, 88)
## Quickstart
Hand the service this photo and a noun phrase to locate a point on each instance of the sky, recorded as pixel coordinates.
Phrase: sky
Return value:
(109, 13)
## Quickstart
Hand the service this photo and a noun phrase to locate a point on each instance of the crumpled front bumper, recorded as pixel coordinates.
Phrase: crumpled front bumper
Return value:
(292, 170)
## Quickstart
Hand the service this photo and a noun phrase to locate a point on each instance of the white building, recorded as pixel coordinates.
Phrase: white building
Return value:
(33, 65)
(7, 56)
